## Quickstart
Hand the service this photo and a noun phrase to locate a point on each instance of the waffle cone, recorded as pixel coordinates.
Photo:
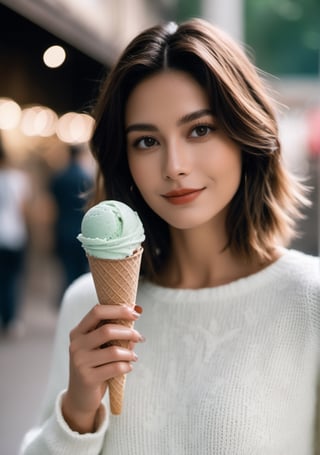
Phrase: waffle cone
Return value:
(116, 283)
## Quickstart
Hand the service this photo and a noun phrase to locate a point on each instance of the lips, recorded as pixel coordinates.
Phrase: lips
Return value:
(183, 195)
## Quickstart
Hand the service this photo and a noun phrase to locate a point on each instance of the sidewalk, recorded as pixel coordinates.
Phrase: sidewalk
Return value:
(24, 361)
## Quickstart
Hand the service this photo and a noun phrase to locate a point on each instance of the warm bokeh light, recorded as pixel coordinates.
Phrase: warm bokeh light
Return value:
(75, 128)
(38, 121)
(10, 113)
(42, 122)
(54, 56)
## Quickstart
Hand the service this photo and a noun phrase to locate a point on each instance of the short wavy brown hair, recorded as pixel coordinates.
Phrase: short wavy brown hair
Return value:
(263, 211)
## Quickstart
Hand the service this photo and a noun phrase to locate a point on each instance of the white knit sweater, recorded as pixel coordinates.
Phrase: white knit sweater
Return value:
(230, 370)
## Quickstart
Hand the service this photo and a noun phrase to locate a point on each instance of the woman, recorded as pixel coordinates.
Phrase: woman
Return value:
(186, 135)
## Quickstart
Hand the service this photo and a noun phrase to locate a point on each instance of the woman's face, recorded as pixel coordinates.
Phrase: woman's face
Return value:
(184, 166)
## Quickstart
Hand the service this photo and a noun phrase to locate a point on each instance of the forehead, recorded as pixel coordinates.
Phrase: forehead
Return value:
(171, 92)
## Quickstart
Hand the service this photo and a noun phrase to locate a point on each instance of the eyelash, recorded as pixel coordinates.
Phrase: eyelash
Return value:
(143, 138)
(208, 126)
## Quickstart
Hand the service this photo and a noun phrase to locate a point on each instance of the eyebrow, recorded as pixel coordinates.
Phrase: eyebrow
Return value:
(185, 119)
(194, 116)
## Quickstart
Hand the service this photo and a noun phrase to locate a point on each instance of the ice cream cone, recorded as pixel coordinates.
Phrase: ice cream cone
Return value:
(116, 283)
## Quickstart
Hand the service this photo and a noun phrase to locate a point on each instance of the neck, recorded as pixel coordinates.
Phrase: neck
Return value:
(198, 259)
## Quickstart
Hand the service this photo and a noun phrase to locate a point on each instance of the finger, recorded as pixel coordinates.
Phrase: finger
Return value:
(105, 334)
(111, 370)
(84, 361)
(114, 333)
(110, 355)
(102, 312)
(96, 375)
(131, 345)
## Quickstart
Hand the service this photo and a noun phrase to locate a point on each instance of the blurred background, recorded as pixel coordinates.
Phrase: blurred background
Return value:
(53, 53)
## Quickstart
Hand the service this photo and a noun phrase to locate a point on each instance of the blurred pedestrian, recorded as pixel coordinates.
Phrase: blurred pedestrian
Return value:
(69, 189)
(15, 194)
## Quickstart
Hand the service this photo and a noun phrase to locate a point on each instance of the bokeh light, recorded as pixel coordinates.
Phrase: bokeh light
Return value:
(75, 128)
(54, 56)
(38, 121)
(10, 113)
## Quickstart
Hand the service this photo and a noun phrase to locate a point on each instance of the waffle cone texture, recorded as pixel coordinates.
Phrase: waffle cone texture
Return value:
(116, 283)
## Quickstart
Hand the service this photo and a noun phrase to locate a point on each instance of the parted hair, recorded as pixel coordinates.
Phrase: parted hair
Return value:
(267, 204)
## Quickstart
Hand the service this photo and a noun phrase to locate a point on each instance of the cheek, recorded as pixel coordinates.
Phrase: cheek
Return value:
(226, 165)
(231, 177)
(232, 168)
(234, 158)
(140, 173)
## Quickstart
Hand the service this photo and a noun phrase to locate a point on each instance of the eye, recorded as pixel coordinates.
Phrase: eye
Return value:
(201, 130)
(145, 142)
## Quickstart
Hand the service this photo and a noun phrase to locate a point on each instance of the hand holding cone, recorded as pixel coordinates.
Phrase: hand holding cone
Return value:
(116, 283)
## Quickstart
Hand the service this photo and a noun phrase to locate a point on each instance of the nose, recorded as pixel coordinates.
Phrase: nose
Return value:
(176, 161)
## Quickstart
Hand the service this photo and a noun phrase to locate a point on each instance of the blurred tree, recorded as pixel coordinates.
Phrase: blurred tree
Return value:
(177, 10)
(186, 9)
(163, 8)
(284, 35)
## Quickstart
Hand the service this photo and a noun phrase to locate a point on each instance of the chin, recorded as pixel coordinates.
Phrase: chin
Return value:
(187, 224)
(193, 220)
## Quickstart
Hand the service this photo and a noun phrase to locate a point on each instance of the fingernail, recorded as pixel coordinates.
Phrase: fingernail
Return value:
(135, 357)
(138, 309)
(140, 337)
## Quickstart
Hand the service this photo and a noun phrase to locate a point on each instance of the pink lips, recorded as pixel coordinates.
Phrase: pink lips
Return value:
(183, 195)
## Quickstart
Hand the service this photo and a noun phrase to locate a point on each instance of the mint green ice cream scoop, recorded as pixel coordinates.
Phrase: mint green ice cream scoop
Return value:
(111, 230)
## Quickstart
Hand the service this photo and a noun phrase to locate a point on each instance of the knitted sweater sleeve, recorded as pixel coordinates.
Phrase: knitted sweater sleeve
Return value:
(52, 435)
(314, 297)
